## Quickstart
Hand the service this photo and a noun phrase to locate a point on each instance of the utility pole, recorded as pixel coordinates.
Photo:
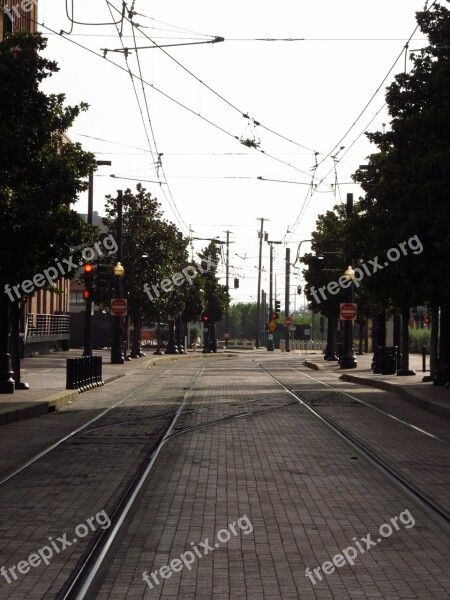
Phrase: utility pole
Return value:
(227, 314)
(286, 297)
(258, 295)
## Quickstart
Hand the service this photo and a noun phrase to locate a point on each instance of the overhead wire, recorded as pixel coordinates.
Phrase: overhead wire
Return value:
(171, 203)
(159, 165)
(376, 91)
(209, 88)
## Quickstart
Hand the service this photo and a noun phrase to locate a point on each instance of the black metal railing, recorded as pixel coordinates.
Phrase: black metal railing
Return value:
(84, 373)
(39, 324)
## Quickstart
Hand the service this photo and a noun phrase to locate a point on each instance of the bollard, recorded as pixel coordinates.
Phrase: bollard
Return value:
(424, 359)
(70, 374)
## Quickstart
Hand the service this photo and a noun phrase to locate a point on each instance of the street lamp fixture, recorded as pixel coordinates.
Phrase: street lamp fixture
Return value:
(119, 271)
(117, 357)
(349, 273)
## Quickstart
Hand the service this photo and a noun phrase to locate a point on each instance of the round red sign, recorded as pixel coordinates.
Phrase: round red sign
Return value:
(348, 311)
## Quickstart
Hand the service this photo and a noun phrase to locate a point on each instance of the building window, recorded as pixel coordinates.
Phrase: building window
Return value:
(76, 297)
(7, 24)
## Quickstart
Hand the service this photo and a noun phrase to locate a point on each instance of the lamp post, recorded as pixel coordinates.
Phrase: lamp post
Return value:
(348, 360)
(117, 357)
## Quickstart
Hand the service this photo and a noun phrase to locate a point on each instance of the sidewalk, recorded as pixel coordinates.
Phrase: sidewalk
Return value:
(436, 399)
(46, 376)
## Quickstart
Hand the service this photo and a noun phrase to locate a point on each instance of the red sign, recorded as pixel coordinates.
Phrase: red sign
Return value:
(348, 311)
(119, 307)
(288, 322)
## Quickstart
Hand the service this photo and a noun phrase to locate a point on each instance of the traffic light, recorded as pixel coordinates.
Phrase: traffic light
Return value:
(276, 313)
(88, 271)
(236, 283)
(274, 316)
(103, 272)
(205, 318)
(299, 289)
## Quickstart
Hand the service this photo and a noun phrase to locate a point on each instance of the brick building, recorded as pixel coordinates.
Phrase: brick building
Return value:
(17, 15)
(45, 320)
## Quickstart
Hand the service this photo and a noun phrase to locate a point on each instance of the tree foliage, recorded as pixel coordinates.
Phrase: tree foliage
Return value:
(41, 171)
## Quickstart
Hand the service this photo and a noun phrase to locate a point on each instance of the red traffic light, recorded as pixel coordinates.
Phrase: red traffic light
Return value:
(205, 318)
(87, 294)
(275, 316)
(88, 268)
(427, 320)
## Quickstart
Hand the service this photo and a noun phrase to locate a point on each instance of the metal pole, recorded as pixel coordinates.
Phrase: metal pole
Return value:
(286, 298)
(87, 351)
(117, 357)
(270, 346)
(227, 315)
(258, 295)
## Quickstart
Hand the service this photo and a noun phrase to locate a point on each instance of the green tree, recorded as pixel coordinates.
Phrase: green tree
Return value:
(41, 175)
(407, 179)
(153, 251)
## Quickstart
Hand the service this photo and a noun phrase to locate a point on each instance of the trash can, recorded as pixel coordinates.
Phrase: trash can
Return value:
(388, 360)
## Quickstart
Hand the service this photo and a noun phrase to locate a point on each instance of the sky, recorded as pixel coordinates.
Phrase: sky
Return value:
(261, 125)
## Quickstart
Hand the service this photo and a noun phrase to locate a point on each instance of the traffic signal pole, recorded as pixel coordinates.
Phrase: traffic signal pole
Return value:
(87, 351)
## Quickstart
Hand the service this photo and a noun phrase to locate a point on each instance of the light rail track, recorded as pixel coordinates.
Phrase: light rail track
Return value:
(437, 512)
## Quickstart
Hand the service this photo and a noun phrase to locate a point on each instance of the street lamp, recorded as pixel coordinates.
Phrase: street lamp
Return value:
(117, 357)
(348, 360)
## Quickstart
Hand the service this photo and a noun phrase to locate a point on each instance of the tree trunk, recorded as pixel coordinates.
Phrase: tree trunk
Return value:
(405, 344)
(442, 374)
(6, 372)
(434, 338)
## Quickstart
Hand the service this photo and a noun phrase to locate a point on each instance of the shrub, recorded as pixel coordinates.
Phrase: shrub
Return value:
(419, 338)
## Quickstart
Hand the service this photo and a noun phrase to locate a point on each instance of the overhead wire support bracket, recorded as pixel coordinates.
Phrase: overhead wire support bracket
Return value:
(128, 50)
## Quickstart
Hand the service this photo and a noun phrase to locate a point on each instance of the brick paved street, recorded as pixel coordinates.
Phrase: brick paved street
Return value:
(243, 451)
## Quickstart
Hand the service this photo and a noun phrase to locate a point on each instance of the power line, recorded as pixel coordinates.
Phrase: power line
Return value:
(376, 91)
(233, 106)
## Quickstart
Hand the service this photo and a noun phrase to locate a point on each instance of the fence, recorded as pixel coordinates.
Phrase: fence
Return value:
(303, 345)
(38, 324)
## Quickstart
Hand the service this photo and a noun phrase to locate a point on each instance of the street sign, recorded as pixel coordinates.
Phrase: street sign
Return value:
(119, 307)
(348, 311)
(288, 321)
(272, 325)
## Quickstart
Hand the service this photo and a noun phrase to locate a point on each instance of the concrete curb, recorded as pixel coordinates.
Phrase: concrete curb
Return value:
(39, 408)
(439, 408)
(313, 365)
(57, 400)
(171, 357)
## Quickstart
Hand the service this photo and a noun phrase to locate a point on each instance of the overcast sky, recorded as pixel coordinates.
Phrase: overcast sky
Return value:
(309, 90)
